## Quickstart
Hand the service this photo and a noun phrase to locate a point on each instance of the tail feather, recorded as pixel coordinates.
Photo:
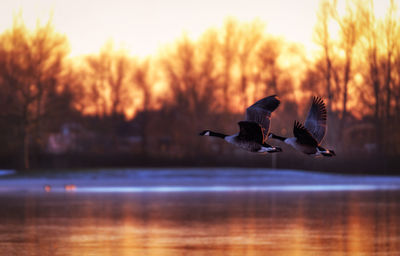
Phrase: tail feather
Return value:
(326, 152)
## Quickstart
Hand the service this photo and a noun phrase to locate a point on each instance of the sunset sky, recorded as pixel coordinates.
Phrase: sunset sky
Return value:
(141, 27)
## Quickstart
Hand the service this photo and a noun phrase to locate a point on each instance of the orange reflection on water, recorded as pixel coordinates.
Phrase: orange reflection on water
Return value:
(273, 223)
(70, 187)
(47, 188)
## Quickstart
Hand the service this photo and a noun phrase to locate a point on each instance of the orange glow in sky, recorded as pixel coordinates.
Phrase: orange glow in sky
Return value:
(142, 27)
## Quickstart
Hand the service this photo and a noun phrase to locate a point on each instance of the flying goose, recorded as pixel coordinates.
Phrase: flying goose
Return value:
(254, 130)
(307, 137)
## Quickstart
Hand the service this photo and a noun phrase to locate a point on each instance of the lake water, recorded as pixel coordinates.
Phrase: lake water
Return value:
(199, 212)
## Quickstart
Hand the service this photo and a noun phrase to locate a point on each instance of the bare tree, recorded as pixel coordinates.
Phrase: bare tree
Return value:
(228, 48)
(267, 67)
(349, 31)
(250, 36)
(141, 79)
(191, 75)
(30, 69)
(396, 77)
(323, 39)
(108, 76)
(108, 91)
(391, 29)
(371, 44)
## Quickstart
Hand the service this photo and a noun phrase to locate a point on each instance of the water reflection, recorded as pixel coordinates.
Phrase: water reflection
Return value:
(228, 223)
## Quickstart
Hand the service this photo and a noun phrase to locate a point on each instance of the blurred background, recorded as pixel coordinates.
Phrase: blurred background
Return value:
(132, 83)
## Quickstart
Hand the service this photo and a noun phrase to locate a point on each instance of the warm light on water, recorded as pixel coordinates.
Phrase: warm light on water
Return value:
(281, 188)
(222, 212)
(240, 223)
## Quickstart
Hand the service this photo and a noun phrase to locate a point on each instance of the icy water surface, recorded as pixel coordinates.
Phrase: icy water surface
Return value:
(199, 212)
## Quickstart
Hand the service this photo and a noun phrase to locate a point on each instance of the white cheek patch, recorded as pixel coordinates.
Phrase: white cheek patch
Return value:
(265, 149)
(323, 152)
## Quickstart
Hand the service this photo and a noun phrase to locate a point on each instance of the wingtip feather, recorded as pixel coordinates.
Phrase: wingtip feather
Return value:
(319, 102)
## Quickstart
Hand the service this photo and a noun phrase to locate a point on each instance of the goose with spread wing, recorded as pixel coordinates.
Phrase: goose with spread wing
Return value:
(254, 129)
(307, 138)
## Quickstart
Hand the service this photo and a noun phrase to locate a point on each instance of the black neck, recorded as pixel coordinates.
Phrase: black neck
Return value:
(273, 136)
(217, 134)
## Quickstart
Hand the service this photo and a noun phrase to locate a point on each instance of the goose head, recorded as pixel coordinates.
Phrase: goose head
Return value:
(205, 133)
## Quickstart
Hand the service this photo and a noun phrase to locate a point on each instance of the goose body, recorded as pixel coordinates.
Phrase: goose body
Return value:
(307, 138)
(254, 129)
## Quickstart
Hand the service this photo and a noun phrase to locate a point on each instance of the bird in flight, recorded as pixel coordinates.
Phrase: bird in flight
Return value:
(307, 138)
(254, 129)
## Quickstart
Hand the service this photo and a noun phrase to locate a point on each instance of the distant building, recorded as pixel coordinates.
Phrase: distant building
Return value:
(65, 140)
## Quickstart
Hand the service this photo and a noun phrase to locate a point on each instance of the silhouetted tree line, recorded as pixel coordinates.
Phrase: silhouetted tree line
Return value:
(127, 110)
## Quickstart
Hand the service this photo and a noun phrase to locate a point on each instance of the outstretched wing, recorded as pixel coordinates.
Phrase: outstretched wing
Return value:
(316, 119)
(251, 131)
(303, 135)
(260, 112)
